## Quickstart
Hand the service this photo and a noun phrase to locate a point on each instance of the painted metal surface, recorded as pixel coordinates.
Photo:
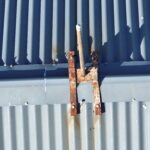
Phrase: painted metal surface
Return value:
(50, 127)
(35, 35)
(41, 91)
(42, 31)
(61, 70)
(56, 91)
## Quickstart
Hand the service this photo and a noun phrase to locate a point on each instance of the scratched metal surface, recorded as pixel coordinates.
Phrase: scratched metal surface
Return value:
(42, 31)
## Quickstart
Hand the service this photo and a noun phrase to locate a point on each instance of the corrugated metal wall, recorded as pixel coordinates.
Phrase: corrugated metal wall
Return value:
(42, 31)
(124, 126)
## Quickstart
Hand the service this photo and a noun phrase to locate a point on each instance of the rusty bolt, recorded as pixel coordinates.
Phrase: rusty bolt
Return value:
(97, 109)
(73, 110)
(97, 105)
(73, 107)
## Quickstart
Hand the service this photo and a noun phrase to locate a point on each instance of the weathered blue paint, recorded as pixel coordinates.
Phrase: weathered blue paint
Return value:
(40, 32)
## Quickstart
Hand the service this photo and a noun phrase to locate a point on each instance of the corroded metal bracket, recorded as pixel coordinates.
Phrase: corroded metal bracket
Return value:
(73, 82)
(92, 75)
(75, 76)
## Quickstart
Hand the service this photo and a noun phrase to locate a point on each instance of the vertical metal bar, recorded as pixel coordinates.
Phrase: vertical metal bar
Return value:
(5, 32)
(95, 82)
(97, 100)
(18, 31)
(73, 83)
(42, 32)
(80, 48)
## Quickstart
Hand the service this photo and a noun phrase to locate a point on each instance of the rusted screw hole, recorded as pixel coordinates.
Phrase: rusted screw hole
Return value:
(26, 103)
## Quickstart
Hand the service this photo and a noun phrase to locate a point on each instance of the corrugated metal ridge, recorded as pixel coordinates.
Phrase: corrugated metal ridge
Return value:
(123, 126)
(42, 31)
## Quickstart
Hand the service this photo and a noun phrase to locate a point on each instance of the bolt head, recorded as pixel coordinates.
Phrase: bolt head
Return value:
(97, 105)
(73, 107)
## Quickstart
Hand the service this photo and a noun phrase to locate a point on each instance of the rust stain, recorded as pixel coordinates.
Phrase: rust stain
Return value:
(74, 121)
(95, 58)
(90, 75)
(97, 100)
(74, 130)
(96, 119)
(97, 109)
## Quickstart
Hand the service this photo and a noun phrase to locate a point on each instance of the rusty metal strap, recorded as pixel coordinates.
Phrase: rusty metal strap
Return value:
(73, 82)
(97, 98)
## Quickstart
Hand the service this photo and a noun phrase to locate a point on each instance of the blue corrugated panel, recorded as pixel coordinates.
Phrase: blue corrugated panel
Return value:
(42, 31)
(124, 126)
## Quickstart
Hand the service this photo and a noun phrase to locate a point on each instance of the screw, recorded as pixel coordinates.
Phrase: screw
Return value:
(73, 107)
(26, 103)
(145, 106)
(97, 105)
(133, 99)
